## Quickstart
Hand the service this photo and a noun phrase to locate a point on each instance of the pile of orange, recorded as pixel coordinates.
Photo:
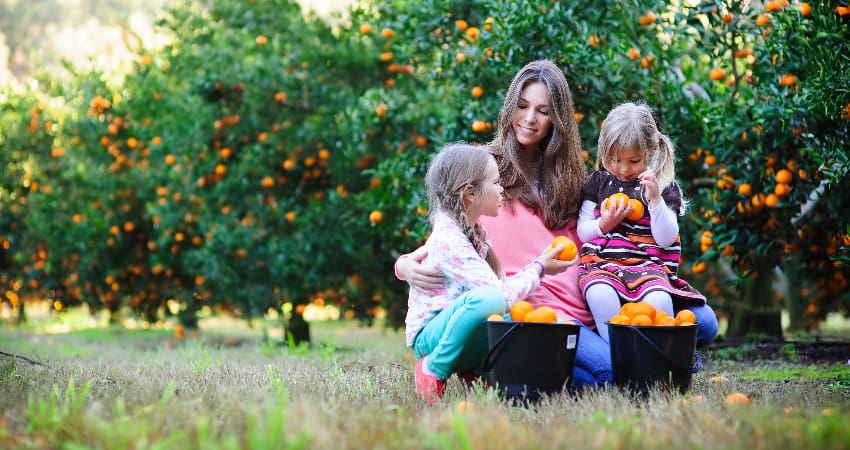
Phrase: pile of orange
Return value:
(642, 313)
(522, 311)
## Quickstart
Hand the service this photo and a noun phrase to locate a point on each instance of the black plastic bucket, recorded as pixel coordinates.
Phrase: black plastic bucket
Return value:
(643, 356)
(529, 359)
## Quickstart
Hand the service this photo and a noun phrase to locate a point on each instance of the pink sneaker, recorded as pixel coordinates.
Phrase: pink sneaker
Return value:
(471, 378)
(428, 387)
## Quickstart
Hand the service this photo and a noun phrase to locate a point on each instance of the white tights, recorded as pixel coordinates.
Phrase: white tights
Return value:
(604, 304)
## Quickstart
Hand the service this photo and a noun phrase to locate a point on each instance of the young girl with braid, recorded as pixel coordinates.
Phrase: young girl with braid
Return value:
(446, 327)
(630, 257)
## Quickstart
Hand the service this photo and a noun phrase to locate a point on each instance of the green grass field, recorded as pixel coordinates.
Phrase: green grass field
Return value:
(234, 387)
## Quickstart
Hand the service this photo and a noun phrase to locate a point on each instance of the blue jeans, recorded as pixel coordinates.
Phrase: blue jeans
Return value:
(593, 356)
(707, 321)
(455, 340)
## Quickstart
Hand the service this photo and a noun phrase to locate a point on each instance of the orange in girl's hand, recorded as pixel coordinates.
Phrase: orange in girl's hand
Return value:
(637, 210)
(615, 199)
(520, 309)
(569, 251)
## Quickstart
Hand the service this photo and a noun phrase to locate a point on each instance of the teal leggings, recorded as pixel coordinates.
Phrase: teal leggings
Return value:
(455, 340)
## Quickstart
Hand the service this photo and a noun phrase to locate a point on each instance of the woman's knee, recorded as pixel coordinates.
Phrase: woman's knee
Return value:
(708, 325)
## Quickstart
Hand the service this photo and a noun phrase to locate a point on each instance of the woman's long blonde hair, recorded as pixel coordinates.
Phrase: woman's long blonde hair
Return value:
(458, 169)
(561, 170)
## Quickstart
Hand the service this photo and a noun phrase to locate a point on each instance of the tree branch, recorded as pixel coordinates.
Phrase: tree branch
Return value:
(35, 363)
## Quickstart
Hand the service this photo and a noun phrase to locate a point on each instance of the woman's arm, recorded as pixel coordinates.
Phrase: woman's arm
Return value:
(409, 268)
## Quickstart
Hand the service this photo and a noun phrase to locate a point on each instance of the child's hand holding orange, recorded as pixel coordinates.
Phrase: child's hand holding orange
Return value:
(562, 253)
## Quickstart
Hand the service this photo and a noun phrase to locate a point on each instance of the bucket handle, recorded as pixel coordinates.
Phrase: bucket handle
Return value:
(496, 350)
(696, 368)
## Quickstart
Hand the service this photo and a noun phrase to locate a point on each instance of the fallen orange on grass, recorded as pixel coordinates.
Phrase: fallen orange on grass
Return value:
(738, 398)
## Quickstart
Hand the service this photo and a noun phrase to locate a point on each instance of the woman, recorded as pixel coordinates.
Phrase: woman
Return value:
(538, 151)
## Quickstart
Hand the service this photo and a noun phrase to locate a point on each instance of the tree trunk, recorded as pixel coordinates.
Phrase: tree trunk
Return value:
(297, 329)
(22, 314)
(756, 313)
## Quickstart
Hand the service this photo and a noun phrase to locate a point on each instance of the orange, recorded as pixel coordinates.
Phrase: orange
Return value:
(637, 210)
(478, 126)
(365, 28)
(261, 40)
(620, 319)
(495, 318)
(644, 308)
(737, 398)
(686, 316)
(381, 110)
(520, 309)
(805, 9)
(771, 200)
(628, 310)
(745, 189)
(569, 251)
(535, 315)
(547, 314)
(615, 199)
(641, 319)
(387, 33)
(772, 6)
(666, 321)
(762, 20)
(477, 91)
(782, 190)
(633, 53)
(717, 74)
(376, 216)
(784, 176)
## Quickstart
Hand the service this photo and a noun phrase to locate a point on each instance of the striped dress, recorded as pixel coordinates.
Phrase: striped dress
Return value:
(627, 258)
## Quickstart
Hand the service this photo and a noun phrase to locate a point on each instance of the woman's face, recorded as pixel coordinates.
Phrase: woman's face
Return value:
(531, 119)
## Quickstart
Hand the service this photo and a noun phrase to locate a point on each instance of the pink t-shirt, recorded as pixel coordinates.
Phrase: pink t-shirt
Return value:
(519, 238)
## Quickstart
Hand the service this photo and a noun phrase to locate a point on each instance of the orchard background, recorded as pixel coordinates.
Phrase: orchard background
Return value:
(265, 158)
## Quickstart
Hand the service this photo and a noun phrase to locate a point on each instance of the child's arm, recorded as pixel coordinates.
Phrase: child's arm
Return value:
(662, 219)
(664, 225)
(588, 226)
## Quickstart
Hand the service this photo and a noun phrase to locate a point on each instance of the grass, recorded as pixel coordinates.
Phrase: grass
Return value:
(231, 388)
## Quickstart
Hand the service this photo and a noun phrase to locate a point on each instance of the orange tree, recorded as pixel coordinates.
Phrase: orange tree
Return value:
(27, 130)
(772, 158)
(264, 157)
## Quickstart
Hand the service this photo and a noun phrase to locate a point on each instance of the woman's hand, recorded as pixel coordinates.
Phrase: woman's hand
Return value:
(419, 277)
(553, 265)
(609, 218)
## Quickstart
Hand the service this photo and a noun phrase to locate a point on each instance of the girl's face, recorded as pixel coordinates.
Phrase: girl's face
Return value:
(627, 164)
(490, 198)
(531, 121)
